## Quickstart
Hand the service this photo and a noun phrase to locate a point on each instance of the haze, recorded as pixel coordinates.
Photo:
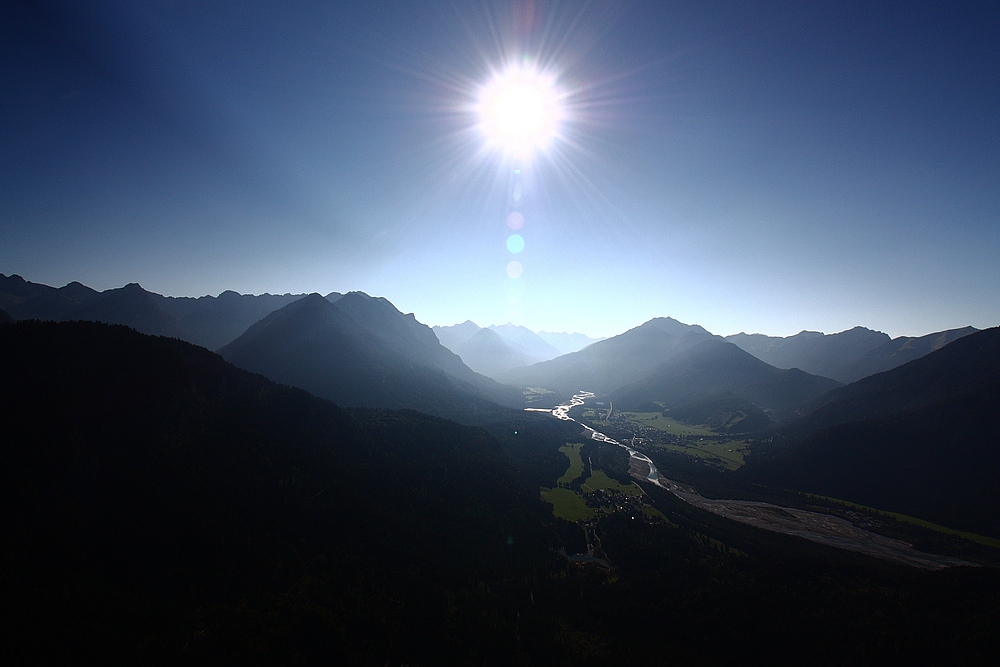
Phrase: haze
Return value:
(764, 167)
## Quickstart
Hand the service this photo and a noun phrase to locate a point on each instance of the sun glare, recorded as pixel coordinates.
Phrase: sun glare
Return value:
(520, 111)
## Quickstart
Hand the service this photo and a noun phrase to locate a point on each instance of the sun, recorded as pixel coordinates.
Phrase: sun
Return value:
(520, 111)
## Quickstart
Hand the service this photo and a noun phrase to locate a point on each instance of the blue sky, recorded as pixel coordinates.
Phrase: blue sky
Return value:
(763, 167)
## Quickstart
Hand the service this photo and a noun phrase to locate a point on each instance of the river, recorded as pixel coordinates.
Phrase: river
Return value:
(817, 527)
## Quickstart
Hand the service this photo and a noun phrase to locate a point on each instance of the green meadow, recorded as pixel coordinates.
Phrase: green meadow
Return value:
(972, 537)
(575, 469)
(567, 504)
(727, 454)
(599, 481)
(672, 426)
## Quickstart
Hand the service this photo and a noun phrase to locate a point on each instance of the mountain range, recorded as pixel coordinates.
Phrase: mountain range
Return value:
(846, 356)
(920, 439)
(496, 349)
(359, 350)
(207, 321)
(167, 505)
(671, 364)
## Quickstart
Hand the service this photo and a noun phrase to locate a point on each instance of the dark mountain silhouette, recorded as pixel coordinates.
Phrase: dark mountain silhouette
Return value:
(214, 321)
(361, 351)
(172, 508)
(965, 365)
(920, 439)
(56, 304)
(41, 302)
(668, 362)
(208, 321)
(713, 367)
(899, 351)
(5, 317)
(134, 307)
(828, 355)
(614, 362)
(379, 319)
(14, 290)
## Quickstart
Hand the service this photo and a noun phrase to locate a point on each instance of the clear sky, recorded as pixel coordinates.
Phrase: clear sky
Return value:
(747, 166)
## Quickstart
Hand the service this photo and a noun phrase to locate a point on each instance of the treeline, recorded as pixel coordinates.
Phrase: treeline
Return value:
(166, 506)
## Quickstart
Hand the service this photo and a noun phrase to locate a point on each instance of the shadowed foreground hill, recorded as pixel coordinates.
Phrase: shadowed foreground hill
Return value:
(164, 506)
(921, 439)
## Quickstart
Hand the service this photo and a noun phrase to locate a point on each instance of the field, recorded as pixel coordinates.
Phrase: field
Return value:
(567, 504)
(666, 424)
(533, 395)
(699, 441)
(599, 480)
(972, 537)
(728, 454)
(572, 450)
(570, 505)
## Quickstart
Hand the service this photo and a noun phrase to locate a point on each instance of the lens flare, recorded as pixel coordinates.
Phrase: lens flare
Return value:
(514, 269)
(515, 220)
(515, 243)
(520, 110)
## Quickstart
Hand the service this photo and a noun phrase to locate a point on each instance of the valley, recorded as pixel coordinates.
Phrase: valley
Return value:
(336, 476)
(821, 528)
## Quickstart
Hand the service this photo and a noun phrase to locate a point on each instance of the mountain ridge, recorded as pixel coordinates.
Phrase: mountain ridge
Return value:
(919, 439)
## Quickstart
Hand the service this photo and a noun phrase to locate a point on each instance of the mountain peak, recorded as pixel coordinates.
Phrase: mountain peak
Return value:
(674, 327)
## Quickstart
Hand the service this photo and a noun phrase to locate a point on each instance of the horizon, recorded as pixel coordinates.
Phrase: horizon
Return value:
(762, 168)
(499, 324)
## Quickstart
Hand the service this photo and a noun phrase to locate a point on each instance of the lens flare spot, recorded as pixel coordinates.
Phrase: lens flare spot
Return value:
(515, 243)
(514, 269)
(515, 220)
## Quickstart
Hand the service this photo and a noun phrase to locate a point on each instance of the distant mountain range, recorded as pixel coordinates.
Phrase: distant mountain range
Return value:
(506, 346)
(846, 356)
(207, 321)
(670, 364)
(361, 351)
(921, 439)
